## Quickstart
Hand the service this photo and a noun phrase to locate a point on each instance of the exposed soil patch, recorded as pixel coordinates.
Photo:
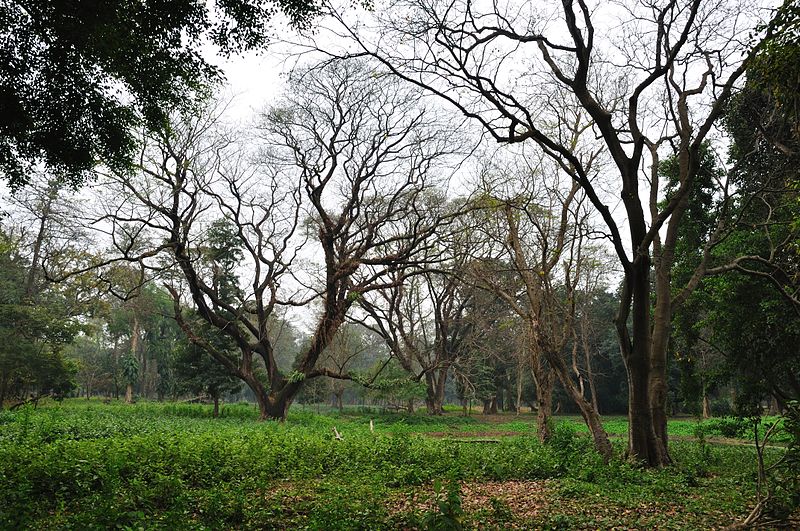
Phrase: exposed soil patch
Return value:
(540, 504)
(499, 418)
(525, 499)
(473, 434)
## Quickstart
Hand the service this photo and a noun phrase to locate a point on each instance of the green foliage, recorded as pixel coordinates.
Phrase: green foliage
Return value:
(564, 438)
(446, 513)
(223, 254)
(734, 427)
(769, 362)
(776, 69)
(197, 372)
(76, 76)
(784, 474)
(89, 465)
(501, 512)
(130, 369)
(755, 354)
(33, 332)
(392, 384)
(295, 377)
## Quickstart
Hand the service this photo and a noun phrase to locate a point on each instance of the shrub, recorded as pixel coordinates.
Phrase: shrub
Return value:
(732, 427)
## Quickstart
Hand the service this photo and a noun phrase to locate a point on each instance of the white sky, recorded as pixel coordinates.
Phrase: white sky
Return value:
(253, 81)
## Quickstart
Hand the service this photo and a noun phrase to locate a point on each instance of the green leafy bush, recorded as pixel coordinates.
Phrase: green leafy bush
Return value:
(732, 427)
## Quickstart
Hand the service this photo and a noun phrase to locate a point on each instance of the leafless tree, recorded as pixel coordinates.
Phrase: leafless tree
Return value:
(657, 77)
(596, 274)
(343, 161)
(350, 349)
(421, 317)
(47, 216)
(539, 227)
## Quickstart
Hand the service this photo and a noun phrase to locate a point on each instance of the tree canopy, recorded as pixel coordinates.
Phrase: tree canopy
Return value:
(77, 75)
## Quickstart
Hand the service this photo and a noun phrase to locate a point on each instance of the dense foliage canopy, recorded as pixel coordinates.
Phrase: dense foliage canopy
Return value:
(77, 76)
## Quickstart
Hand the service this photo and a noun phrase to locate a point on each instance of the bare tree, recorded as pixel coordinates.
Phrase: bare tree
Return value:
(540, 232)
(422, 313)
(350, 348)
(659, 78)
(44, 215)
(494, 354)
(596, 272)
(344, 159)
(421, 317)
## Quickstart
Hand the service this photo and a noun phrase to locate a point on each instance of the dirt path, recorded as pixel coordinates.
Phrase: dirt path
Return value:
(473, 434)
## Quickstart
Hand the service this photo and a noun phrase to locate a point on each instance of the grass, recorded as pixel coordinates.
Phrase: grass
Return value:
(90, 465)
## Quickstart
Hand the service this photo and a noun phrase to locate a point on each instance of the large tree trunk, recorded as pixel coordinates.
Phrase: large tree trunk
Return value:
(589, 414)
(662, 318)
(430, 386)
(216, 406)
(544, 413)
(664, 257)
(499, 403)
(641, 435)
(129, 393)
(643, 444)
(440, 388)
(543, 378)
(274, 405)
(434, 399)
(510, 402)
(3, 389)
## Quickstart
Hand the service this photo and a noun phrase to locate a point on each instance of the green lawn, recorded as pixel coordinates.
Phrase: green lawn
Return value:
(83, 465)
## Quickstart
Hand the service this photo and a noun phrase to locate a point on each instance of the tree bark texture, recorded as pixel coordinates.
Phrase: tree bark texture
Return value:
(643, 444)
(435, 384)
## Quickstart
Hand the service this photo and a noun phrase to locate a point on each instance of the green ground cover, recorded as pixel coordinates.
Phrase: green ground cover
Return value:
(91, 465)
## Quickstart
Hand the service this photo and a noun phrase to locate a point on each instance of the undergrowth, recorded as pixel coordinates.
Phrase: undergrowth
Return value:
(93, 466)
